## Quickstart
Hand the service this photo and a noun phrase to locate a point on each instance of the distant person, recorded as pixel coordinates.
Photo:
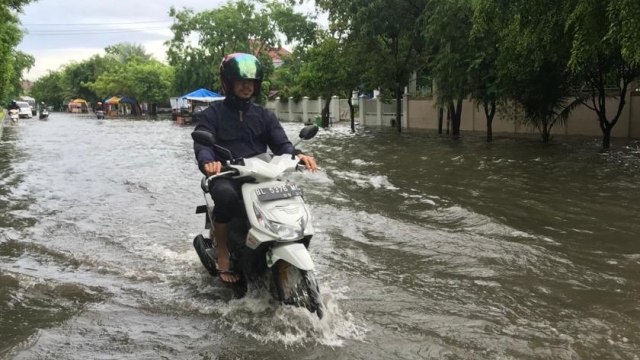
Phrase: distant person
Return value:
(98, 107)
(13, 105)
(245, 128)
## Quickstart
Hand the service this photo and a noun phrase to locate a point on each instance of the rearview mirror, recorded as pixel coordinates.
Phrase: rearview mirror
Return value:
(203, 138)
(308, 132)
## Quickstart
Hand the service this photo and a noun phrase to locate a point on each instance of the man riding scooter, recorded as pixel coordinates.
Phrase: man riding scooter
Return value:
(14, 110)
(246, 129)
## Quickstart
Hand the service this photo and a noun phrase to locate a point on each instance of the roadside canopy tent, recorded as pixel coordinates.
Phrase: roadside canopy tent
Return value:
(203, 95)
(78, 106)
(111, 100)
(133, 107)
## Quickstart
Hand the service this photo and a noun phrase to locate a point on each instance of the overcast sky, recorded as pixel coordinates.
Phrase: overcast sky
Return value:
(61, 31)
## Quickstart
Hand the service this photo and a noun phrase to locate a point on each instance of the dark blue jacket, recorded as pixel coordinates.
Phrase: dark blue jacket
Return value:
(246, 134)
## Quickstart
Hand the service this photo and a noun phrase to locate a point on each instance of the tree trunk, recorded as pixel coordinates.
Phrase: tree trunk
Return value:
(489, 113)
(448, 119)
(351, 115)
(606, 140)
(456, 115)
(325, 112)
(546, 136)
(440, 119)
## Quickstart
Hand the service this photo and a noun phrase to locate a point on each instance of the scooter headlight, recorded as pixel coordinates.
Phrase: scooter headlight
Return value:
(285, 232)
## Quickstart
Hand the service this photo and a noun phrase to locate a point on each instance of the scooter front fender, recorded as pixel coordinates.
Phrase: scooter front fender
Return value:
(293, 253)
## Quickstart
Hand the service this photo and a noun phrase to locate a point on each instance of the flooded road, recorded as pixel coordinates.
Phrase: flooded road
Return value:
(425, 249)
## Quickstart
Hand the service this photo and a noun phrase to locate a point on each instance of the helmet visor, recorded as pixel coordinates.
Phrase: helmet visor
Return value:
(247, 67)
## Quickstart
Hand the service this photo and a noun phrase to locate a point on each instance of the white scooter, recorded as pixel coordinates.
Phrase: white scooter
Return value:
(269, 245)
(14, 115)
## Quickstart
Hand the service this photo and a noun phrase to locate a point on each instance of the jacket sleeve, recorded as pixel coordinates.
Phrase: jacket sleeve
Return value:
(278, 141)
(204, 154)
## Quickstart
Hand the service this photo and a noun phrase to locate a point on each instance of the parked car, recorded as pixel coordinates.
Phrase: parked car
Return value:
(25, 109)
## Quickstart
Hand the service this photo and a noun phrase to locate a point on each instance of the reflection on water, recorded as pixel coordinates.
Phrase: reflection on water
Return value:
(426, 248)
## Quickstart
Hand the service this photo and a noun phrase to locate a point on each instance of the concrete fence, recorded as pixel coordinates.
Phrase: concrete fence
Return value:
(421, 113)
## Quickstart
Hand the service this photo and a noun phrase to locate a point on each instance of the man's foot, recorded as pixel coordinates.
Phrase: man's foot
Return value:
(223, 266)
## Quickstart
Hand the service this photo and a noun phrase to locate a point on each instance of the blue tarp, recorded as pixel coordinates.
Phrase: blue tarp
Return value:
(128, 100)
(203, 95)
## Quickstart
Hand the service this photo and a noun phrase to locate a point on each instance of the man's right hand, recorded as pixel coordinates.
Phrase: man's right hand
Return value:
(212, 168)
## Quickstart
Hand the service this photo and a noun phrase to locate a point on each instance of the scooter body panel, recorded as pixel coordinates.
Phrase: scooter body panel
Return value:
(295, 254)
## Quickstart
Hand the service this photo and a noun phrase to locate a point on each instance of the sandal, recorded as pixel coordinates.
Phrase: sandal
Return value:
(227, 276)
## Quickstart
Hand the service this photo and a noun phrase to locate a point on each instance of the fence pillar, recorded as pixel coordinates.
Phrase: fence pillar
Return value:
(290, 103)
(362, 109)
(404, 117)
(334, 109)
(378, 111)
(276, 107)
(305, 109)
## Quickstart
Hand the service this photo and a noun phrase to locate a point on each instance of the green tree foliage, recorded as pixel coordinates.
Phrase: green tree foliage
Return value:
(78, 76)
(602, 58)
(147, 81)
(12, 63)
(483, 71)
(452, 50)
(533, 58)
(202, 39)
(125, 69)
(393, 32)
(235, 27)
(49, 88)
(627, 27)
(295, 27)
(22, 62)
(315, 78)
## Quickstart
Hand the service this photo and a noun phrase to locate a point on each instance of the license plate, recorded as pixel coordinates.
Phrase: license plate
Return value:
(278, 192)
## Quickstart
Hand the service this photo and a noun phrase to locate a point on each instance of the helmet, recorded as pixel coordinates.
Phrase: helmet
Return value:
(99, 103)
(240, 66)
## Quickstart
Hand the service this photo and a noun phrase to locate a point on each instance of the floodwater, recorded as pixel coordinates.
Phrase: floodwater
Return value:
(426, 248)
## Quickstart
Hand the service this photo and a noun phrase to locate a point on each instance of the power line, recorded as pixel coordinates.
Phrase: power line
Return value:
(41, 33)
(98, 24)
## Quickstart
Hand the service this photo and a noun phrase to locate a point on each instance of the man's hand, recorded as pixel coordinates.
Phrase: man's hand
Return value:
(212, 168)
(308, 161)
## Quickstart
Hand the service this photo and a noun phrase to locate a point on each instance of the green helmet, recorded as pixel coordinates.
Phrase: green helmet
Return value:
(240, 66)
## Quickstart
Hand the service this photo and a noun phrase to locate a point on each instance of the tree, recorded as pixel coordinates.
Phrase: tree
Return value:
(21, 62)
(393, 30)
(12, 63)
(323, 75)
(49, 89)
(125, 52)
(627, 27)
(77, 76)
(533, 59)
(483, 70)
(202, 39)
(448, 32)
(235, 27)
(599, 58)
(147, 81)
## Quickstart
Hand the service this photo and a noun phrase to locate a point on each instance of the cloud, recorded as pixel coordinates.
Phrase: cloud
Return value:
(62, 31)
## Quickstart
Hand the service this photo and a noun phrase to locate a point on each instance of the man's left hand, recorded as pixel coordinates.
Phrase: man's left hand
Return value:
(308, 161)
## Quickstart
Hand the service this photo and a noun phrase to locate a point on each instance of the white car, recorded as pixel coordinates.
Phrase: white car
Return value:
(25, 109)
